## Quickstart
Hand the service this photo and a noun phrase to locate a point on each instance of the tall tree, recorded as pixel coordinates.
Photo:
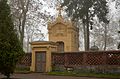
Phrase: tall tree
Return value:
(86, 10)
(19, 11)
(30, 17)
(10, 46)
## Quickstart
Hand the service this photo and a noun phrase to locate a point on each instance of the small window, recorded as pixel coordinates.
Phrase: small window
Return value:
(60, 47)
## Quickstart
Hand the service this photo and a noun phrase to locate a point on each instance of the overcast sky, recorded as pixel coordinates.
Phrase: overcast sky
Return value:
(53, 12)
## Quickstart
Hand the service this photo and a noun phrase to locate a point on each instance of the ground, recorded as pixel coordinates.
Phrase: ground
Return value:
(44, 76)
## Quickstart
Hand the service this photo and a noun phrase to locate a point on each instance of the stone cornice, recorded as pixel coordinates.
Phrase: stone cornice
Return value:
(43, 43)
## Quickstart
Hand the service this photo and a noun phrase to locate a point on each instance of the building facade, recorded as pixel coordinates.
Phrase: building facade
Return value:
(65, 34)
(63, 37)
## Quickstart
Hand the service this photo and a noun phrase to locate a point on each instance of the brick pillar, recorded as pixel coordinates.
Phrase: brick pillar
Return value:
(104, 56)
(84, 59)
(66, 60)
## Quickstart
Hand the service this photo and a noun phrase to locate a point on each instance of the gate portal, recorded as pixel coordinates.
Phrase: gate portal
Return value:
(40, 61)
(41, 56)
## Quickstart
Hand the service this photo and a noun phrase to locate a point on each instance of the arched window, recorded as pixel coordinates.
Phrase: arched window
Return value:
(60, 47)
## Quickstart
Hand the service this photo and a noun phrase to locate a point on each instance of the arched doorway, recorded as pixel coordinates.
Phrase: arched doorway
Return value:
(60, 47)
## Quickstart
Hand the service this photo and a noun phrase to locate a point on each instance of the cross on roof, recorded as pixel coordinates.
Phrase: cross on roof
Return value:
(59, 10)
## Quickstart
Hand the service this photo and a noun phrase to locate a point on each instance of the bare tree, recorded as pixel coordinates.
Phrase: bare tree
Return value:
(29, 16)
(19, 12)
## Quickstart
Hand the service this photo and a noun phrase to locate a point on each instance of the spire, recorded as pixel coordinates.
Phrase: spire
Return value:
(59, 10)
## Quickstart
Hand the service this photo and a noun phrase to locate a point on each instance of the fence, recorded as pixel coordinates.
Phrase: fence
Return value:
(25, 61)
(89, 59)
(99, 60)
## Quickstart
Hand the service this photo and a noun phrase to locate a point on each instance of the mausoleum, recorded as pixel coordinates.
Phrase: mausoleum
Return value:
(63, 37)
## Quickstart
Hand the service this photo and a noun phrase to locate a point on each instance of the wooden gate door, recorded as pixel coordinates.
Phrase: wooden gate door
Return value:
(40, 61)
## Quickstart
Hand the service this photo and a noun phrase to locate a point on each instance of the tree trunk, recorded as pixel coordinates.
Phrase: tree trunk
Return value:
(23, 21)
(28, 39)
(84, 28)
(105, 38)
(87, 32)
(8, 76)
(21, 39)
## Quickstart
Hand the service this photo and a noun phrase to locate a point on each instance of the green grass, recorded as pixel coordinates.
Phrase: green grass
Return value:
(22, 70)
(98, 75)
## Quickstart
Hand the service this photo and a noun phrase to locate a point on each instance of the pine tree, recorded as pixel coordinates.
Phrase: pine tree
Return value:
(10, 47)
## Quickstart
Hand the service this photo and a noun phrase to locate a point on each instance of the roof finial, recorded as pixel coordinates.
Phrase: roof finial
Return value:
(59, 10)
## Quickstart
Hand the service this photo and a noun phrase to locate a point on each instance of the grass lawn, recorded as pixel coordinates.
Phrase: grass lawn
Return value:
(22, 70)
(98, 75)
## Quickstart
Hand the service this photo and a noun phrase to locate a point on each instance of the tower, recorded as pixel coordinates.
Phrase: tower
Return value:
(64, 33)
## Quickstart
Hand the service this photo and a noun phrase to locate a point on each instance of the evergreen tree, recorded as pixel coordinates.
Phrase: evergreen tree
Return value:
(86, 10)
(10, 47)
